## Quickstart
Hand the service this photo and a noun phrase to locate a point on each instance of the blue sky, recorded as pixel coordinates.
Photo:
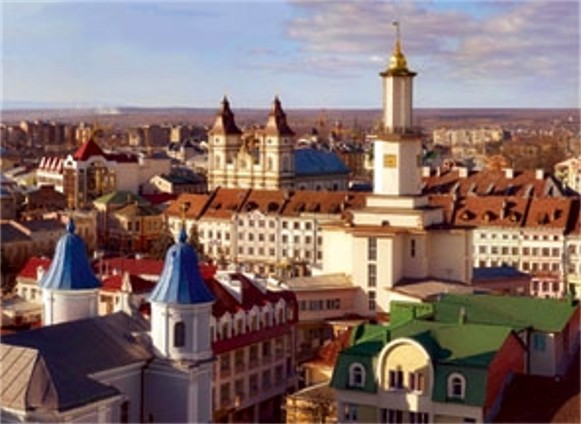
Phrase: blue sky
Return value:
(319, 54)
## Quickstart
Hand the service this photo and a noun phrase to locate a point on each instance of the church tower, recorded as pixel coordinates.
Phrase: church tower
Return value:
(70, 289)
(224, 141)
(181, 308)
(278, 166)
(397, 152)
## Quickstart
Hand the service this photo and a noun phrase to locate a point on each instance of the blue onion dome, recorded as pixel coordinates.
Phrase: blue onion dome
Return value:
(181, 281)
(70, 268)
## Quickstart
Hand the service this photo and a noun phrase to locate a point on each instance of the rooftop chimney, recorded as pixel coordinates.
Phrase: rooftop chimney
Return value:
(509, 173)
(539, 174)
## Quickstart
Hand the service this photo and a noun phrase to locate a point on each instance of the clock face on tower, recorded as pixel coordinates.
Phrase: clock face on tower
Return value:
(389, 161)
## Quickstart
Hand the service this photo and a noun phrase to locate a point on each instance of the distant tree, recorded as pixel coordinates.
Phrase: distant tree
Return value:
(194, 241)
(7, 279)
(161, 244)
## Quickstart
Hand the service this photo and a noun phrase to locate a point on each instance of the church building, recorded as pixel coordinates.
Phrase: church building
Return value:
(81, 367)
(266, 158)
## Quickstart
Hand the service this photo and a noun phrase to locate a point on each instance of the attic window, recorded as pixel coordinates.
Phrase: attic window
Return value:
(251, 206)
(542, 218)
(314, 207)
(467, 215)
(300, 207)
(272, 207)
(488, 216)
(217, 206)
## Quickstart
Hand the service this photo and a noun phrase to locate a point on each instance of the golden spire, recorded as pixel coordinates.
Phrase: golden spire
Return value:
(397, 62)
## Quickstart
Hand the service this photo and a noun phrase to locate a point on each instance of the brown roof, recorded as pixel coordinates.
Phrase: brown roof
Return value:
(492, 182)
(323, 202)
(550, 212)
(492, 210)
(194, 205)
(224, 123)
(225, 202)
(266, 201)
(276, 125)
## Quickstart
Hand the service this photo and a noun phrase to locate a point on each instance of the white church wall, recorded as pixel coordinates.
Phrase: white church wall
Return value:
(128, 381)
(166, 393)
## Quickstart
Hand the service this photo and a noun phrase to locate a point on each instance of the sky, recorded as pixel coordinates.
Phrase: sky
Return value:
(312, 54)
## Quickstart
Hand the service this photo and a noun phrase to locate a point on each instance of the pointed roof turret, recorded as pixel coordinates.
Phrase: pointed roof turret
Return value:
(397, 63)
(276, 123)
(87, 150)
(70, 268)
(181, 281)
(224, 123)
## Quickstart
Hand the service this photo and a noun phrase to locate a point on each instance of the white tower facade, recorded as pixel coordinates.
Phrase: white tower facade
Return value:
(181, 307)
(398, 149)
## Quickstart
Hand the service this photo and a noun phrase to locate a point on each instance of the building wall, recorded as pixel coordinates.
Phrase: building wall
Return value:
(509, 359)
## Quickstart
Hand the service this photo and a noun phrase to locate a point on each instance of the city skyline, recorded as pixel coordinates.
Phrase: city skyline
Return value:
(312, 54)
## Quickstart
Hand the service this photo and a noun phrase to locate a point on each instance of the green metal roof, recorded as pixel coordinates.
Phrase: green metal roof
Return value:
(453, 347)
(549, 315)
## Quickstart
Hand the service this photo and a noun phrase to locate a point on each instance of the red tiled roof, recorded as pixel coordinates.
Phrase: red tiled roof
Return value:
(159, 198)
(491, 210)
(196, 205)
(138, 285)
(87, 150)
(225, 202)
(324, 202)
(30, 269)
(549, 212)
(132, 266)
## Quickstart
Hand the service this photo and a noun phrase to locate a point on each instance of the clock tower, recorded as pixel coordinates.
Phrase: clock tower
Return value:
(398, 149)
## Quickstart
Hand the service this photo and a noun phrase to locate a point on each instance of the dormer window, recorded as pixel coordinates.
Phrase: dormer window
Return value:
(456, 386)
(356, 375)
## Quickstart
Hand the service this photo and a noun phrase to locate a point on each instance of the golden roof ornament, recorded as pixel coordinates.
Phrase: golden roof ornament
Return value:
(397, 63)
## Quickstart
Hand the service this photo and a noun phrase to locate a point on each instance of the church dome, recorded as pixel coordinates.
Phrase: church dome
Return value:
(181, 281)
(70, 268)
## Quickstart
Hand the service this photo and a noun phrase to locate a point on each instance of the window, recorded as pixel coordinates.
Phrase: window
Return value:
(372, 304)
(418, 417)
(356, 375)
(412, 248)
(456, 386)
(395, 379)
(371, 275)
(350, 413)
(416, 381)
(372, 248)
(391, 416)
(125, 412)
(539, 342)
(179, 334)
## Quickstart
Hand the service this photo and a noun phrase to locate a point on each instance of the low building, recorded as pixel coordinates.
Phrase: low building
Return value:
(422, 371)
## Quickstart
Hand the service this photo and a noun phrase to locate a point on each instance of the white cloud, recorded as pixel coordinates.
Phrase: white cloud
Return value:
(526, 39)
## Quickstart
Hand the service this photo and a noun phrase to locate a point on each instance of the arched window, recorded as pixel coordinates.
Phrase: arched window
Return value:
(179, 334)
(456, 386)
(356, 375)
(270, 164)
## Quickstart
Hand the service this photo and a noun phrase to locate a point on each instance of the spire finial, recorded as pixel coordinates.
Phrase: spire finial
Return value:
(183, 236)
(397, 49)
(71, 225)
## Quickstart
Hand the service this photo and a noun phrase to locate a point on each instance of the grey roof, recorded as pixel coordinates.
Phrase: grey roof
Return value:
(9, 233)
(49, 367)
(318, 162)
(43, 225)
(496, 272)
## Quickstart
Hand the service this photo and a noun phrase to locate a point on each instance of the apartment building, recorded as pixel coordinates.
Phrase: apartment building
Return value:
(91, 172)
(267, 231)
